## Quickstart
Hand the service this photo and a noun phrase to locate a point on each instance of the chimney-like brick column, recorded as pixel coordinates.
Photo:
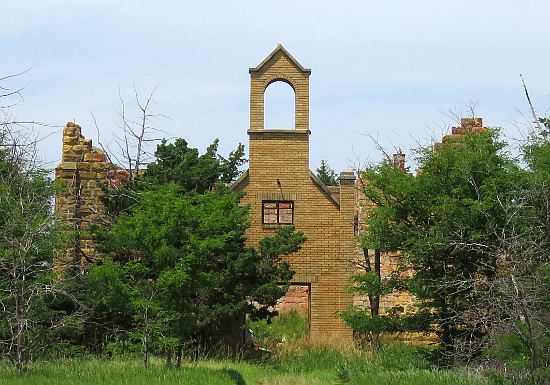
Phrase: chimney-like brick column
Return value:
(399, 160)
(77, 203)
(347, 241)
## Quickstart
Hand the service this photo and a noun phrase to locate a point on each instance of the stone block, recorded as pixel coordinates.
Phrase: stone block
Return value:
(82, 148)
(68, 166)
(70, 140)
(94, 157)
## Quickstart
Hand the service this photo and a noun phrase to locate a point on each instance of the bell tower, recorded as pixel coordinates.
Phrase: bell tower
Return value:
(272, 149)
(281, 66)
(281, 190)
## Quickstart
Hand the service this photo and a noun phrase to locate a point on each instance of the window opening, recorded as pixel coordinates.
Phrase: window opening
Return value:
(277, 212)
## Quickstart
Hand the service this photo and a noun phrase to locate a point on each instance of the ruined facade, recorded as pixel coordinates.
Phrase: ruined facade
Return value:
(281, 190)
(79, 176)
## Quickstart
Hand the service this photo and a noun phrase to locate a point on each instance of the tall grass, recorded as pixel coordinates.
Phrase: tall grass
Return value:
(314, 366)
(290, 327)
(291, 362)
(116, 372)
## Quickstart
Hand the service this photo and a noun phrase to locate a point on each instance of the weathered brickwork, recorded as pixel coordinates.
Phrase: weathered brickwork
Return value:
(296, 299)
(279, 170)
(77, 203)
(331, 217)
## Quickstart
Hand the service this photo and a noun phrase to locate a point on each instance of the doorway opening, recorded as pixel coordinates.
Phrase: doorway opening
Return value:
(291, 325)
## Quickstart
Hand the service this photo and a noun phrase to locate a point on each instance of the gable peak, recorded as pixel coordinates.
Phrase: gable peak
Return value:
(280, 49)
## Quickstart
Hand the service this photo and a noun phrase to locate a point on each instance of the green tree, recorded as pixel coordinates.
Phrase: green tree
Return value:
(327, 175)
(178, 163)
(180, 248)
(445, 220)
(518, 303)
(28, 239)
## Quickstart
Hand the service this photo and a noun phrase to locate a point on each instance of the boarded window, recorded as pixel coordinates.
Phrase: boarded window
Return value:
(277, 212)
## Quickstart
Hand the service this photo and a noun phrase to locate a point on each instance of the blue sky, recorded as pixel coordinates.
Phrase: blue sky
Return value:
(388, 69)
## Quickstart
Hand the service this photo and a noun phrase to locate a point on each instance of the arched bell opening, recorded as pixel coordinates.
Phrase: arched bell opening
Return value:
(279, 105)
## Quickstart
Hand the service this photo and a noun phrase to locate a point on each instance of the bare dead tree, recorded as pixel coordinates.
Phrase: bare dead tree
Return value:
(513, 300)
(136, 136)
(11, 95)
(531, 107)
(27, 245)
(28, 236)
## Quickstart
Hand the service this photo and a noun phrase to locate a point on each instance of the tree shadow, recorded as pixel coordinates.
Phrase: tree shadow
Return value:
(235, 376)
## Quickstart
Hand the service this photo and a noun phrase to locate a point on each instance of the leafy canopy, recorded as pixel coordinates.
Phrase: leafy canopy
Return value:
(444, 220)
(182, 242)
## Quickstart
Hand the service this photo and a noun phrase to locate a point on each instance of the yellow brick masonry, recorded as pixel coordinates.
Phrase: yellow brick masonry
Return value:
(77, 202)
(279, 169)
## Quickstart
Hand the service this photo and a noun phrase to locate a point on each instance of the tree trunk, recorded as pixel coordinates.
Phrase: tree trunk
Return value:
(169, 358)
(374, 300)
(377, 269)
(19, 358)
(178, 356)
(145, 339)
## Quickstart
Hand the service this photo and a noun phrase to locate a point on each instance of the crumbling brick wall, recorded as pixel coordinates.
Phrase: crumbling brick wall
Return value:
(295, 299)
(79, 176)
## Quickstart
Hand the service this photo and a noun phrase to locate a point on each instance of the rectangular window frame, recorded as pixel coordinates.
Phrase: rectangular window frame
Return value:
(277, 202)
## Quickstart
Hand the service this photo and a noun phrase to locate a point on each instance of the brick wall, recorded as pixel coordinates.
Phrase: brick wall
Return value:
(296, 299)
(79, 176)
(279, 170)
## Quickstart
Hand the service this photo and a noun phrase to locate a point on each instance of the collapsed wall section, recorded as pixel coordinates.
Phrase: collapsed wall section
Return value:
(79, 177)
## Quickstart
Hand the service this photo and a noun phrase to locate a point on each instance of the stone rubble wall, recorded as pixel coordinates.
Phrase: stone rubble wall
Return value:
(79, 177)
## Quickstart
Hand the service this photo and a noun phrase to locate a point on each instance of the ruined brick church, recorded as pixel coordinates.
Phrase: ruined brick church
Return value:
(280, 189)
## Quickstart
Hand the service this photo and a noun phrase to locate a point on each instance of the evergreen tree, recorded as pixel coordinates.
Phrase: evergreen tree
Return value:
(327, 175)
(179, 252)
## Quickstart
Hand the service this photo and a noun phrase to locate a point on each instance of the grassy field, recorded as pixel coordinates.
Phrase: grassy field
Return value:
(304, 366)
(291, 363)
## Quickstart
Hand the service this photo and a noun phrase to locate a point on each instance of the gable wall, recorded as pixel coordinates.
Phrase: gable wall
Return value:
(325, 260)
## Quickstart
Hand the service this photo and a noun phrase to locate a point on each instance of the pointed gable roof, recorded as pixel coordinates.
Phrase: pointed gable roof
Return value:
(281, 49)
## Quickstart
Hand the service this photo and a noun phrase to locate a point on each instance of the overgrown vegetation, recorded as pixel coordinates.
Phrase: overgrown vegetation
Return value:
(176, 274)
(474, 228)
(28, 241)
(176, 279)
(317, 366)
(285, 328)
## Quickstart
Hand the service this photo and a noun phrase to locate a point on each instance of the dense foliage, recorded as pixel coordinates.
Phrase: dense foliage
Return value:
(176, 273)
(473, 227)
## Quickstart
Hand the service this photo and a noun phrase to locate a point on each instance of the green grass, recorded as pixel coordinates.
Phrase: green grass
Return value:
(288, 327)
(394, 365)
(291, 362)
